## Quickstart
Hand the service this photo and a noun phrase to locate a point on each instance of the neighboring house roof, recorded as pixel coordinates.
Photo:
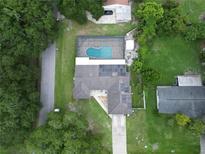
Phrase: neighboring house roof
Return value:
(113, 78)
(202, 143)
(189, 100)
(122, 2)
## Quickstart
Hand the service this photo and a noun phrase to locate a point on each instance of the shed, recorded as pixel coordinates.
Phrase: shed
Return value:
(189, 80)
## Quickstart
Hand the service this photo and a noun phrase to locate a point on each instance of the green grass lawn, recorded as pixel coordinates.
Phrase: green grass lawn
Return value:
(137, 90)
(193, 8)
(172, 56)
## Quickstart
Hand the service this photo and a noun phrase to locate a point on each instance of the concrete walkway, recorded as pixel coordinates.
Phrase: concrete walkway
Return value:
(119, 137)
(47, 83)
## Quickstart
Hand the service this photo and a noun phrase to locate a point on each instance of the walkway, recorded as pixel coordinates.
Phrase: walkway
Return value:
(119, 138)
(47, 83)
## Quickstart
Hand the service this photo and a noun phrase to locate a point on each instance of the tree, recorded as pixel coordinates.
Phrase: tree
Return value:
(76, 9)
(72, 136)
(182, 120)
(149, 13)
(95, 8)
(26, 28)
(172, 21)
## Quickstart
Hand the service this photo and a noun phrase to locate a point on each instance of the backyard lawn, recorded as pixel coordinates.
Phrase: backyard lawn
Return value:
(195, 9)
(172, 56)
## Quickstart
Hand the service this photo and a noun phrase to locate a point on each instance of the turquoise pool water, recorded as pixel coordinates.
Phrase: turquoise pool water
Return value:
(100, 53)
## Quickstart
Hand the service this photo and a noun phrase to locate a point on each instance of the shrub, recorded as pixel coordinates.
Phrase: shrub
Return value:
(195, 31)
(182, 120)
(137, 66)
(150, 76)
(197, 127)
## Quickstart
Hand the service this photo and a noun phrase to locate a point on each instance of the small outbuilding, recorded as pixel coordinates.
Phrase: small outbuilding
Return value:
(189, 80)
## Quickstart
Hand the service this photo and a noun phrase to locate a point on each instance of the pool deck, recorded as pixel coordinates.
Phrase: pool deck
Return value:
(117, 43)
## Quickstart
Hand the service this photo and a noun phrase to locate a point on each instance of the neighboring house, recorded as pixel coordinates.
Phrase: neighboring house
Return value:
(101, 70)
(202, 143)
(115, 11)
(187, 98)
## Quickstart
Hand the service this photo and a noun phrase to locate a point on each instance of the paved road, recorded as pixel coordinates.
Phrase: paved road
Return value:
(47, 83)
(119, 137)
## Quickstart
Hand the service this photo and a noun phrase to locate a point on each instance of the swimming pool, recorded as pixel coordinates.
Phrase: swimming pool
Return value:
(100, 53)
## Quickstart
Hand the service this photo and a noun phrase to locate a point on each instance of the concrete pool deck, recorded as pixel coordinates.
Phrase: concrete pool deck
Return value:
(117, 43)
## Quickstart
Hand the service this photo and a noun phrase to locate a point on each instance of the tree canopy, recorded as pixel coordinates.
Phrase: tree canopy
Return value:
(148, 14)
(76, 9)
(65, 132)
(26, 28)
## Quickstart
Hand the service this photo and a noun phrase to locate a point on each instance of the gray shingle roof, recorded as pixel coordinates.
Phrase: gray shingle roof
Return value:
(177, 99)
(114, 79)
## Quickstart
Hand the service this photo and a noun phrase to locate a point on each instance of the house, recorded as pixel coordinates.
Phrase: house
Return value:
(187, 98)
(115, 11)
(101, 71)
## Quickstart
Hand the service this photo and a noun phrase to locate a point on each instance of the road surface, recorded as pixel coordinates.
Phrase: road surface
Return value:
(47, 83)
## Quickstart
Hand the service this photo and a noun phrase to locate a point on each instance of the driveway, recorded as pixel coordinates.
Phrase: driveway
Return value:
(119, 138)
(47, 83)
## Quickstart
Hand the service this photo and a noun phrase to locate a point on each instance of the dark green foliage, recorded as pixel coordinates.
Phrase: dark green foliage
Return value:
(195, 31)
(197, 127)
(95, 8)
(26, 28)
(148, 14)
(65, 132)
(76, 9)
(172, 22)
(150, 76)
(137, 66)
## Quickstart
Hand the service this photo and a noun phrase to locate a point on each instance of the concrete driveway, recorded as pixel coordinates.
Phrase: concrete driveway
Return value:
(119, 137)
(47, 83)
